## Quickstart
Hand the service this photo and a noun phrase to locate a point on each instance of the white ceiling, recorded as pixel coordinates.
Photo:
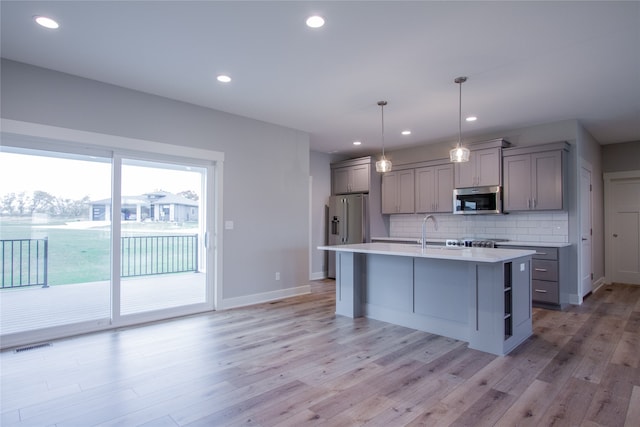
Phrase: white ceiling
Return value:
(528, 62)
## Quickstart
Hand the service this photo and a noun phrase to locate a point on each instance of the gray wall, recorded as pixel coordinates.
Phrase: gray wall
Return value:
(621, 157)
(266, 167)
(320, 169)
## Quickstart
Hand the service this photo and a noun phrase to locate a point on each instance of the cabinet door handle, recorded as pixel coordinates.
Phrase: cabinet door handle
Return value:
(528, 203)
(535, 203)
(540, 291)
(541, 269)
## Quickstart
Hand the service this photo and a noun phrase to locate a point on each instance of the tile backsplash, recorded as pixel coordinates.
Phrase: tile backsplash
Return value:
(523, 227)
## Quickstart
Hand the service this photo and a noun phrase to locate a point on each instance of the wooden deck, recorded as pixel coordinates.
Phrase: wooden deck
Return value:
(31, 308)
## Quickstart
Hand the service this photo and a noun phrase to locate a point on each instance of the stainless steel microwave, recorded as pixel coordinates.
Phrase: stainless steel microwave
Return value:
(477, 200)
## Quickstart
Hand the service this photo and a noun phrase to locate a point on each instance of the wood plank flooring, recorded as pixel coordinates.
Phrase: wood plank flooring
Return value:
(294, 363)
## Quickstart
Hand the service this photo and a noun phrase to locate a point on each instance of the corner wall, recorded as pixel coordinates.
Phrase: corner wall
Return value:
(320, 169)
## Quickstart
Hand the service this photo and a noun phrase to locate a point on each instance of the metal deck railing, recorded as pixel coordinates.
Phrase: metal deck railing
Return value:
(25, 261)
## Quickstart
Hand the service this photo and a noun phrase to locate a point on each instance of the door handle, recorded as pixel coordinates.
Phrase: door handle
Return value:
(543, 270)
(584, 238)
(615, 235)
(540, 291)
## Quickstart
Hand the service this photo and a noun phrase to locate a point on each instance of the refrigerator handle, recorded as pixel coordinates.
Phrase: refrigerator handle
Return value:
(346, 223)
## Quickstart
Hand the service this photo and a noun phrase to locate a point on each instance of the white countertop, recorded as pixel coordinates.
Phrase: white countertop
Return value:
(534, 244)
(410, 240)
(435, 252)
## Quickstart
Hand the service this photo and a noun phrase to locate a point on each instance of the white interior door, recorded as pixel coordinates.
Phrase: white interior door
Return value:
(622, 199)
(586, 281)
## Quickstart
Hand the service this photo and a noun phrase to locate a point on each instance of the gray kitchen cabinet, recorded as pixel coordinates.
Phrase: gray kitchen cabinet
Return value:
(549, 270)
(398, 192)
(352, 177)
(434, 188)
(533, 181)
(482, 169)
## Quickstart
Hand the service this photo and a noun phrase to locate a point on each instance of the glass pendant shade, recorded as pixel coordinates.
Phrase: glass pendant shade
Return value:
(459, 154)
(383, 165)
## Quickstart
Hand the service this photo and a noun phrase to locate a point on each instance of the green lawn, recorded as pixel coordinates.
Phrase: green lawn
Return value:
(78, 255)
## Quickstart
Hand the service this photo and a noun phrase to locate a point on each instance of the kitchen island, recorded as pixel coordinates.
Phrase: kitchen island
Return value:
(478, 295)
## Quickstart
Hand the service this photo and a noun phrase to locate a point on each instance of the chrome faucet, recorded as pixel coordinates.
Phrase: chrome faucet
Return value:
(424, 229)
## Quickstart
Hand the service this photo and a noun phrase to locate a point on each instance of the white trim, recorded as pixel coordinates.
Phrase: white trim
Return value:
(575, 299)
(318, 275)
(100, 140)
(215, 207)
(310, 227)
(589, 168)
(264, 297)
(608, 178)
(598, 284)
(67, 331)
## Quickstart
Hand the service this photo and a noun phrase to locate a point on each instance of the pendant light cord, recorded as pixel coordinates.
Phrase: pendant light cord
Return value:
(382, 104)
(460, 115)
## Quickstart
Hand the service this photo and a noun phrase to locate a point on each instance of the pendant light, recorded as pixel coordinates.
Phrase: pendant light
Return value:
(383, 165)
(459, 154)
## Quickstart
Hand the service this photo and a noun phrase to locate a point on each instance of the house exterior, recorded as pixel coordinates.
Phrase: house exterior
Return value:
(159, 206)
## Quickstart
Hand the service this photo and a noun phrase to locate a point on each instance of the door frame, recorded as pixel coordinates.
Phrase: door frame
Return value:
(38, 136)
(609, 179)
(581, 255)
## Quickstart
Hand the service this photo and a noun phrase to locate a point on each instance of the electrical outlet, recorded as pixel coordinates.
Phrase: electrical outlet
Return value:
(277, 275)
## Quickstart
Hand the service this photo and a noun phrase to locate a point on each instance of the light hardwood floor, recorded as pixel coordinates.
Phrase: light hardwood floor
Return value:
(294, 363)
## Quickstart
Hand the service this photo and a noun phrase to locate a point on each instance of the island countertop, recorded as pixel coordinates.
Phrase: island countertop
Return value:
(489, 255)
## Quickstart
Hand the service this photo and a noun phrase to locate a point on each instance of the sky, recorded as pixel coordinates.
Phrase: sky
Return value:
(74, 179)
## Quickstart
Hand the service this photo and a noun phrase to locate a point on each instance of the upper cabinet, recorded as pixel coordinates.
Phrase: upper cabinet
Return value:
(351, 176)
(434, 188)
(484, 167)
(398, 192)
(533, 177)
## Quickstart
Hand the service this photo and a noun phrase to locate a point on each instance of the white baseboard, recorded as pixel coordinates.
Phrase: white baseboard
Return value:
(575, 299)
(599, 283)
(263, 297)
(319, 275)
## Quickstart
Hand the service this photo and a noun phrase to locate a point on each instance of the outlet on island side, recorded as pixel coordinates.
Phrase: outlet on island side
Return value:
(277, 275)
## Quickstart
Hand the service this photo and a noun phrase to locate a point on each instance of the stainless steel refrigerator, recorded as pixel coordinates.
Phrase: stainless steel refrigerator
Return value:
(348, 223)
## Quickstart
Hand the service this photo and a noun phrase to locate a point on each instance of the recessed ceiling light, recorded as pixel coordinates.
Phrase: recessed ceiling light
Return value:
(46, 22)
(357, 142)
(224, 78)
(406, 132)
(471, 119)
(315, 21)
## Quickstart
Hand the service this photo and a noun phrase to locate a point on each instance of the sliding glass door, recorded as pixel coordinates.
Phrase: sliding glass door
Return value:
(91, 239)
(55, 250)
(162, 211)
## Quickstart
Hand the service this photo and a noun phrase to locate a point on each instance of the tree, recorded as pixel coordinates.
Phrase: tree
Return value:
(42, 202)
(189, 194)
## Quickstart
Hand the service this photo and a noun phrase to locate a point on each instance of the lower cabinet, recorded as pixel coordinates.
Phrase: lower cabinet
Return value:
(548, 272)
